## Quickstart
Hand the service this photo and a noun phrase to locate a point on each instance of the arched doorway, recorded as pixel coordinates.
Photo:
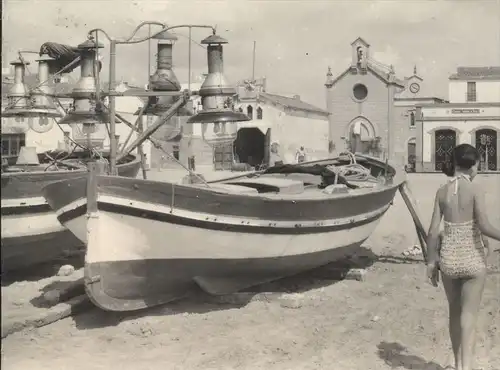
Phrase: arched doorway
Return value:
(445, 141)
(360, 136)
(411, 154)
(486, 144)
(249, 146)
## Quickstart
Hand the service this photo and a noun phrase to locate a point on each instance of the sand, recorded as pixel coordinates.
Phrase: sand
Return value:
(392, 320)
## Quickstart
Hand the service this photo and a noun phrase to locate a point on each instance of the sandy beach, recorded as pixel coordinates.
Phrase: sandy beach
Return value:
(392, 320)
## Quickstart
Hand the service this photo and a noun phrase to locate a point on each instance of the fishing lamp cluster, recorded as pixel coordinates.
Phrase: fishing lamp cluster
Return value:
(38, 103)
(217, 116)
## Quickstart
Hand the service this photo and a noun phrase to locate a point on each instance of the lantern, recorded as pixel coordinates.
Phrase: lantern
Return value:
(218, 116)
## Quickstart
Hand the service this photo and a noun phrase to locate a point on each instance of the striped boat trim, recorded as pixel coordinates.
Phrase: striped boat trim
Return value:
(216, 222)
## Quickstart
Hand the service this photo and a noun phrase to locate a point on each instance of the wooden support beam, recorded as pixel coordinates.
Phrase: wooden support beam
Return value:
(411, 205)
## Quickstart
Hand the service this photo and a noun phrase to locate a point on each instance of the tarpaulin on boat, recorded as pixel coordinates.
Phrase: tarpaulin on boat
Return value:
(63, 55)
(327, 176)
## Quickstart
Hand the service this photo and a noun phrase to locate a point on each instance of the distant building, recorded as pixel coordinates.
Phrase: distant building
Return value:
(372, 111)
(472, 116)
(281, 118)
(285, 119)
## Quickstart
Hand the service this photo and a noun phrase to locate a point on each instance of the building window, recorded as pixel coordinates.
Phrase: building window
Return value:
(412, 119)
(240, 109)
(471, 92)
(250, 112)
(12, 143)
(259, 113)
(360, 92)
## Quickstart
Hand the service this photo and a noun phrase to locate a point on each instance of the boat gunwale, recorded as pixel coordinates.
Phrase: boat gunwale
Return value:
(136, 160)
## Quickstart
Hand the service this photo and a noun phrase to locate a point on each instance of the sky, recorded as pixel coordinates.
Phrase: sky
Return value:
(296, 40)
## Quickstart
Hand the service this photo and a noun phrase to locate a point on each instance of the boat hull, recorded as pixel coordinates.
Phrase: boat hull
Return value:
(31, 233)
(149, 243)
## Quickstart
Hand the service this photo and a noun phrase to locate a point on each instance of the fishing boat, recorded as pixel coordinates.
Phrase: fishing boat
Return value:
(151, 242)
(31, 233)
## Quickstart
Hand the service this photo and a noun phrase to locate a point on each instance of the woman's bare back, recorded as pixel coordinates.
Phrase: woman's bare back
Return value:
(456, 200)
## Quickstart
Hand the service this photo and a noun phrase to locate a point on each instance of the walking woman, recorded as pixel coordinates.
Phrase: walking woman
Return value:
(461, 255)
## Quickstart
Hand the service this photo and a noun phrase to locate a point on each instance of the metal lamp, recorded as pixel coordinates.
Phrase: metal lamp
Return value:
(42, 98)
(87, 110)
(18, 96)
(218, 114)
(164, 78)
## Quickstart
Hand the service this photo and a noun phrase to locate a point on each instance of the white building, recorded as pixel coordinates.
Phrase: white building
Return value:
(472, 116)
(283, 118)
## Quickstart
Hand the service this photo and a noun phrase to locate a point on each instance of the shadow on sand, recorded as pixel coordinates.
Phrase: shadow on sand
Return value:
(396, 356)
(198, 301)
(43, 270)
(42, 302)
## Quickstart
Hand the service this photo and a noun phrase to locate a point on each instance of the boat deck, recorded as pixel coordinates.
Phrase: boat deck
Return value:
(294, 186)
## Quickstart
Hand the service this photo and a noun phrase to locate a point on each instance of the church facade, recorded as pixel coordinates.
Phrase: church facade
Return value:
(372, 111)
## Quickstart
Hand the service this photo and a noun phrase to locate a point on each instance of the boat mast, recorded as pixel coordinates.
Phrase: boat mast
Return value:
(253, 63)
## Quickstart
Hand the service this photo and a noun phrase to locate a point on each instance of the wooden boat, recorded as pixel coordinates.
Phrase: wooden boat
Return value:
(152, 242)
(31, 233)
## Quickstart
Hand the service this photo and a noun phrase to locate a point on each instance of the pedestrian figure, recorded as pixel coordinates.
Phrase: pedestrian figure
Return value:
(462, 255)
(300, 156)
(274, 155)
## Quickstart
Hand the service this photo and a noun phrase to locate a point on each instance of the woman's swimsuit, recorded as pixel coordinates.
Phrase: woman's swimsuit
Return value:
(462, 252)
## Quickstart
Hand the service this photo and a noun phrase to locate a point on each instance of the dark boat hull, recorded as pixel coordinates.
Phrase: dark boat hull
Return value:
(31, 233)
(149, 243)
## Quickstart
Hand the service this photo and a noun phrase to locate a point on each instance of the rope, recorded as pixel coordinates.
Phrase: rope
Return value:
(352, 171)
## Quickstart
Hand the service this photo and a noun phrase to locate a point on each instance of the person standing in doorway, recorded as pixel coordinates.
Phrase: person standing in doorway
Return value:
(274, 155)
(300, 156)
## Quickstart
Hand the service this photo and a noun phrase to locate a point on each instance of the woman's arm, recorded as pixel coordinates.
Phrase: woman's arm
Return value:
(480, 214)
(433, 235)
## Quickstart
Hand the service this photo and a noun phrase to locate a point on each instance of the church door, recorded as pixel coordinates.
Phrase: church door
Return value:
(486, 144)
(445, 141)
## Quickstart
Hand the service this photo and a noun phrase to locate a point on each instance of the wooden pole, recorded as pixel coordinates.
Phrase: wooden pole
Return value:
(253, 61)
(135, 128)
(140, 150)
(112, 107)
(410, 204)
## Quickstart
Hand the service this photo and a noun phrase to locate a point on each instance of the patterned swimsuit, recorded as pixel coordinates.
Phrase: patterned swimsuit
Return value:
(462, 252)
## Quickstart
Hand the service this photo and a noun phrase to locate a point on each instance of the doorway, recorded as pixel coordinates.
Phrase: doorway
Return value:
(249, 146)
(411, 154)
(445, 141)
(486, 144)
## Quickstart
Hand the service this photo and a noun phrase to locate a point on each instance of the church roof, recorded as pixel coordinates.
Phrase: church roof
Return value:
(293, 103)
(384, 76)
(360, 39)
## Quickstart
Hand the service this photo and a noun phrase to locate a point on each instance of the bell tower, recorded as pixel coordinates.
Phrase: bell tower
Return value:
(360, 53)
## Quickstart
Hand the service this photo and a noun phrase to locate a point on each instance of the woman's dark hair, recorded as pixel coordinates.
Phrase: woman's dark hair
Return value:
(464, 156)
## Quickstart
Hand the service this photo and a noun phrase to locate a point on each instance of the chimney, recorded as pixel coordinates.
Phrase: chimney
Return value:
(296, 97)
